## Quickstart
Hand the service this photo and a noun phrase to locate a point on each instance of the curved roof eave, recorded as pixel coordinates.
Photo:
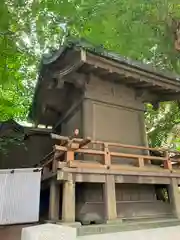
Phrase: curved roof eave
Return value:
(100, 51)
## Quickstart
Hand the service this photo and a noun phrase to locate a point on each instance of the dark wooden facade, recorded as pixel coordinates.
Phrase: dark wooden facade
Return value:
(103, 95)
(28, 147)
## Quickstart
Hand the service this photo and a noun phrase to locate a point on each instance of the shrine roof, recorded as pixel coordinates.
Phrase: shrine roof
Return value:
(99, 50)
(83, 57)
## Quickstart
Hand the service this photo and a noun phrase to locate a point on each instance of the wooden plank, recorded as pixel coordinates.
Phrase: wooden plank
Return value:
(125, 171)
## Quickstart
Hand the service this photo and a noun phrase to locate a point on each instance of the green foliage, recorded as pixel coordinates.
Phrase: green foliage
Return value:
(163, 124)
(8, 142)
(139, 29)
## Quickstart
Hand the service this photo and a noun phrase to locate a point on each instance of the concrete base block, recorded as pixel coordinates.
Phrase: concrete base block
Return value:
(48, 231)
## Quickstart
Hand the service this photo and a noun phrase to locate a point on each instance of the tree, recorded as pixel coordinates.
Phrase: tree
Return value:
(139, 29)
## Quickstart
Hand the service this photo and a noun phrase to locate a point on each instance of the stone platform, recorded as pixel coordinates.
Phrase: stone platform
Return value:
(126, 226)
(104, 231)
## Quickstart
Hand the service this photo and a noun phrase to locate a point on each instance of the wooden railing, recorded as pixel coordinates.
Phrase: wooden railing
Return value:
(67, 149)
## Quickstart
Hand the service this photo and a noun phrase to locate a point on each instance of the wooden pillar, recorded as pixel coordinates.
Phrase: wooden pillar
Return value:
(144, 138)
(174, 195)
(54, 200)
(110, 198)
(68, 203)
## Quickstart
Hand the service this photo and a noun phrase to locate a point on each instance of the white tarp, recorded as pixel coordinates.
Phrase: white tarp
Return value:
(19, 195)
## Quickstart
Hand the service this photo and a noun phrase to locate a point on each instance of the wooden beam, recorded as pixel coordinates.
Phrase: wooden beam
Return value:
(134, 72)
(118, 169)
(136, 156)
(170, 96)
(85, 164)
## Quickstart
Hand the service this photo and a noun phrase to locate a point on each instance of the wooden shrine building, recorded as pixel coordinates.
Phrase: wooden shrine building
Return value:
(106, 172)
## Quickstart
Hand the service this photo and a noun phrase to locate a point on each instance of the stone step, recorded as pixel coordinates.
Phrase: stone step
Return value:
(124, 226)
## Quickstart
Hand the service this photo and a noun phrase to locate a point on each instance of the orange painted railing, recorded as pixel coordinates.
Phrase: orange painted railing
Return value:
(67, 148)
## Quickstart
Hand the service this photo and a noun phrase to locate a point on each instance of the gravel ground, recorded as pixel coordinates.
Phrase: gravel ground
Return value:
(11, 232)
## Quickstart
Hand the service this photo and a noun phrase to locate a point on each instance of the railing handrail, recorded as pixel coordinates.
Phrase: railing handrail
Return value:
(111, 144)
(102, 153)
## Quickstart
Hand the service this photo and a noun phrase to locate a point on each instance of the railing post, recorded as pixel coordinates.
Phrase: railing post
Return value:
(141, 162)
(107, 156)
(167, 162)
(69, 154)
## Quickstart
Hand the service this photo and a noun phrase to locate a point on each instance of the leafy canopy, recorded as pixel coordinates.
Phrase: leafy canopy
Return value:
(139, 29)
